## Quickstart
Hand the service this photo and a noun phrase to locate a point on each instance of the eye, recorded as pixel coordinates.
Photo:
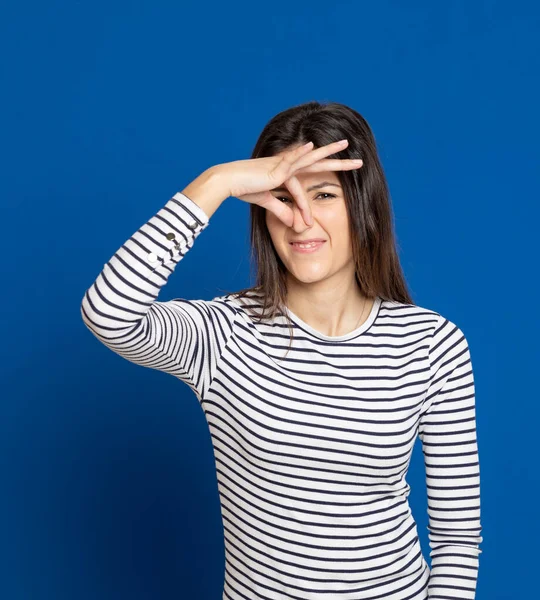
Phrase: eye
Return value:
(285, 199)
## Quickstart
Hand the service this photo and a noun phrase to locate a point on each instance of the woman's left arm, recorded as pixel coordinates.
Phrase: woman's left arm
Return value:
(447, 430)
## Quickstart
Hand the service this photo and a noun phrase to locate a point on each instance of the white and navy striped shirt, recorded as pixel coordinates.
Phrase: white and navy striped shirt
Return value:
(312, 448)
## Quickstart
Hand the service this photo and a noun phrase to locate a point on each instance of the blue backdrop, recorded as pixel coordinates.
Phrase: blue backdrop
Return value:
(108, 109)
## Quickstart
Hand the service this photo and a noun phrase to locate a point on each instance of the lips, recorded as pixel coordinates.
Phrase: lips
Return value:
(307, 241)
(301, 248)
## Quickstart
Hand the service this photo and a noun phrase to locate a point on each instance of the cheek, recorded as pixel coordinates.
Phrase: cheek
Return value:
(270, 224)
(276, 228)
(337, 226)
(336, 223)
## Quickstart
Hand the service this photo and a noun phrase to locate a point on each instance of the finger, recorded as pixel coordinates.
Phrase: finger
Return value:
(317, 154)
(283, 212)
(301, 199)
(333, 164)
(291, 156)
(283, 170)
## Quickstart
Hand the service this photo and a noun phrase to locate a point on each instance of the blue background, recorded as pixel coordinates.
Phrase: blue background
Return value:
(108, 109)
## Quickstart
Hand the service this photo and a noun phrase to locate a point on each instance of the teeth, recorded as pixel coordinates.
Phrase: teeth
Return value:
(306, 245)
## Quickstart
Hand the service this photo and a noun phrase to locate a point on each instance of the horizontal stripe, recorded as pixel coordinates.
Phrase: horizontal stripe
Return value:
(313, 446)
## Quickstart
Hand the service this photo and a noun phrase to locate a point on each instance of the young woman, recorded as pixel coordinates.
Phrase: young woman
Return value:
(316, 381)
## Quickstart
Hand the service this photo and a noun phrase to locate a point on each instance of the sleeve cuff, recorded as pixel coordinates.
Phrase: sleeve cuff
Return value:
(196, 211)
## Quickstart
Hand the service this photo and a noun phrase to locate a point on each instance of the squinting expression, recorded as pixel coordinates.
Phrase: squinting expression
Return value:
(330, 223)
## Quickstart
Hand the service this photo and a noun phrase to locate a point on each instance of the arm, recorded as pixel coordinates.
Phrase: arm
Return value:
(449, 445)
(182, 337)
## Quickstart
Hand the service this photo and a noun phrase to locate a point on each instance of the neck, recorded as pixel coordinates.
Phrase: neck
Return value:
(332, 310)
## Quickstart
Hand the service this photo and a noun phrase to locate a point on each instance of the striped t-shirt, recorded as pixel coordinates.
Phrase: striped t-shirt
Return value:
(312, 446)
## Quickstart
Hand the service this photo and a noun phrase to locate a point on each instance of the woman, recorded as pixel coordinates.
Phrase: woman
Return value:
(316, 381)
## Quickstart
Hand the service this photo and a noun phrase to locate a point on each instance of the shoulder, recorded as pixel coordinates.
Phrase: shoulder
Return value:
(248, 301)
(411, 313)
(436, 326)
(445, 340)
(220, 308)
(235, 303)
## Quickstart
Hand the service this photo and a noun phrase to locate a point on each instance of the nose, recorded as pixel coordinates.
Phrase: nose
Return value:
(299, 225)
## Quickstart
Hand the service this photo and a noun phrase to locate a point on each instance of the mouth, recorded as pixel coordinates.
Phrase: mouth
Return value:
(308, 246)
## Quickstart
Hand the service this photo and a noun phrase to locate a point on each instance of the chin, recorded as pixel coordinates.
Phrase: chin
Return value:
(304, 277)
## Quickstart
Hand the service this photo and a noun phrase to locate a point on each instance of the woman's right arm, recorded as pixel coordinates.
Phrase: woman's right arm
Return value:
(182, 337)
(186, 337)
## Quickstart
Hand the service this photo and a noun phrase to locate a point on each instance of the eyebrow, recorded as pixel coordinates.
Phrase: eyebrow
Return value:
(313, 187)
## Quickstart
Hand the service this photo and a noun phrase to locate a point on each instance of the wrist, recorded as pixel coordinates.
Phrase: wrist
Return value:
(209, 190)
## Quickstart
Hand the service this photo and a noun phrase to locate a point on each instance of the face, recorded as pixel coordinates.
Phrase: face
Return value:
(333, 259)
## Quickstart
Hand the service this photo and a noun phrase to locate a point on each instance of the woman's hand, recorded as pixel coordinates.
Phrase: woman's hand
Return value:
(251, 180)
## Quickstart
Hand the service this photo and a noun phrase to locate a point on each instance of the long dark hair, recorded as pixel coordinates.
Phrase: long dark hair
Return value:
(378, 270)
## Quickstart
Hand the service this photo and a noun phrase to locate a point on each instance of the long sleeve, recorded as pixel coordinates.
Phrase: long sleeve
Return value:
(182, 337)
(447, 430)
